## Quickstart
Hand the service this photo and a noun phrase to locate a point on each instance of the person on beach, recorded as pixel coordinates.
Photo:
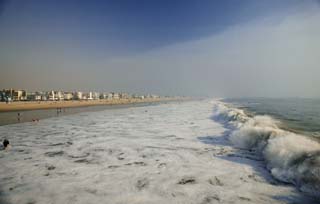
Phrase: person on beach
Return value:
(6, 144)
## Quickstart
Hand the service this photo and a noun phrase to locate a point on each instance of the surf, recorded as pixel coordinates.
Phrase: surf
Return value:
(290, 157)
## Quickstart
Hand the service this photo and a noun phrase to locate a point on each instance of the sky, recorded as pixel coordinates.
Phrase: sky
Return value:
(229, 48)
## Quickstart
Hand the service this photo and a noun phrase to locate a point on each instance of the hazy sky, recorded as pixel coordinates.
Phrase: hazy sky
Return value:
(227, 48)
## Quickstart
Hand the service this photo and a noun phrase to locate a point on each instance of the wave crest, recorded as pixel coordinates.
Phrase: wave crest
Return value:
(290, 157)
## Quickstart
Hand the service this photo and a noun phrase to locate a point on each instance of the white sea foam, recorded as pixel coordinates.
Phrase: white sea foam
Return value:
(290, 157)
(169, 153)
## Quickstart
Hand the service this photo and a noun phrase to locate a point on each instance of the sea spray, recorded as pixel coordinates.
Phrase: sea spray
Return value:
(290, 157)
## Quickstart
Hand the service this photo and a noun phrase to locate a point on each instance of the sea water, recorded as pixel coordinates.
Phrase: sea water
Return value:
(166, 153)
(298, 114)
(285, 132)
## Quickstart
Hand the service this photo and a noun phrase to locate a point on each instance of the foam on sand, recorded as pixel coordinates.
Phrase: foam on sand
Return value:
(167, 153)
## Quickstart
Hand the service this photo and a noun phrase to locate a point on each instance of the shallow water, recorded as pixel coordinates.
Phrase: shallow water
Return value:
(12, 117)
(169, 153)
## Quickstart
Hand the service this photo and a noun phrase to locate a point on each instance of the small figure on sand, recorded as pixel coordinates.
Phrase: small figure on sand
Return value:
(59, 110)
(6, 144)
(19, 117)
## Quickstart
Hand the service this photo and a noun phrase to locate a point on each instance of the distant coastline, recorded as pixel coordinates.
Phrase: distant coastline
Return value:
(36, 105)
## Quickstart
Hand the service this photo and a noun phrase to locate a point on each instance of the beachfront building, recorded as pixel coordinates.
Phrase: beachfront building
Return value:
(40, 96)
(8, 93)
(34, 96)
(124, 95)
(89, 97)
(51, 96)
(78, 95)
(19, 95)
(2, 96)
(116, 96)
(68, 96)
(55, 96)
(110, 96)
(59, 95)
(95, 95)
(44, 97)
(103, 96)
(138, 96)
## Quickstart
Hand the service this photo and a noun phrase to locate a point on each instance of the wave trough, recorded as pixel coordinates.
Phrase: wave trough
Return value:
(290, 157)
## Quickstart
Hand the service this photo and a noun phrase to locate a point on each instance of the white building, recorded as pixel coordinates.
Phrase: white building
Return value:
(59, 96)
(44, 97)
(95, 95)
(68, 96)
(51, 96)
(103, 96)
(55, 96)
(78, 95)
(116, 96)
(89, 97)
(124, 96)
(19, 95)
(110, 96)
(37, 96)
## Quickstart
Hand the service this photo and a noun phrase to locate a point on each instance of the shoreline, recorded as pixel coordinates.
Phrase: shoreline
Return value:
(35, 105)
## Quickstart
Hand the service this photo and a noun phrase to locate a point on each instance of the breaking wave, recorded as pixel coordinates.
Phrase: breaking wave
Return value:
(290, 157)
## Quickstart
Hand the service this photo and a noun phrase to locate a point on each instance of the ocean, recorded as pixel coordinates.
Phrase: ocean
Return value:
(297, 114)
(180, 152)
(284, 132)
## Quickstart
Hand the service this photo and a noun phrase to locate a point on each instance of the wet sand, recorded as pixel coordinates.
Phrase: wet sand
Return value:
(34, 115)
(33, 105)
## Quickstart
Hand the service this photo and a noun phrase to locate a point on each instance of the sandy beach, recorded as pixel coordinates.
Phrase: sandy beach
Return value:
(34, 105)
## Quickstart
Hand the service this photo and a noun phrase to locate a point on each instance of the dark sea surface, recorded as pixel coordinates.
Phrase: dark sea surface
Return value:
(297, 114)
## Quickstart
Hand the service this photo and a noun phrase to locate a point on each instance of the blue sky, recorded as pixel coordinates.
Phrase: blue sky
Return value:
(51, 40)
(125, 26)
